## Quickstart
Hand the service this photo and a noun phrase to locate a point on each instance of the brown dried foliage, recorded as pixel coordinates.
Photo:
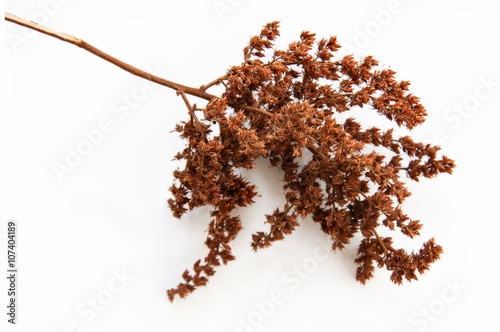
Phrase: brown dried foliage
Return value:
(278, 104)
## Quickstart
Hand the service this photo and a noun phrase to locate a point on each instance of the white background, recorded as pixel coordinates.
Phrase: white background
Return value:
(109, 215)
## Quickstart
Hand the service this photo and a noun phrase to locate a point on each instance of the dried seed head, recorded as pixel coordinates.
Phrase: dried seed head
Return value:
(280, 103)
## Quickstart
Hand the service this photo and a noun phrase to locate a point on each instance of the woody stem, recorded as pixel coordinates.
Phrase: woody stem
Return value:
(214, 82)
(384, 248)
(191, 112)
(125, 66)
(89, 48)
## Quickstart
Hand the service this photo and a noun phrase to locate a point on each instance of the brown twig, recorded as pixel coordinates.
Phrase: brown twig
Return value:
(191, 112)
(89, 48)
(125, 66)
(384, 248)
(214, 82)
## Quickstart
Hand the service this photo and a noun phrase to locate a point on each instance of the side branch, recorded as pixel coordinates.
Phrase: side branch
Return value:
(214, 82)
(192, 114)
(384, 248)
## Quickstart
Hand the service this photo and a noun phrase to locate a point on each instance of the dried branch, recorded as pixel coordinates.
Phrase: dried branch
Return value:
(214, 82)
(277, 104)
(125, 66)
(191, 112)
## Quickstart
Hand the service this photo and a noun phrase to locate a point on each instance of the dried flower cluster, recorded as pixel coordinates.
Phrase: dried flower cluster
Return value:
(280, 103)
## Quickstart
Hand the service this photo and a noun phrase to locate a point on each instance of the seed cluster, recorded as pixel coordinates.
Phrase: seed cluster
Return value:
(278, 104)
